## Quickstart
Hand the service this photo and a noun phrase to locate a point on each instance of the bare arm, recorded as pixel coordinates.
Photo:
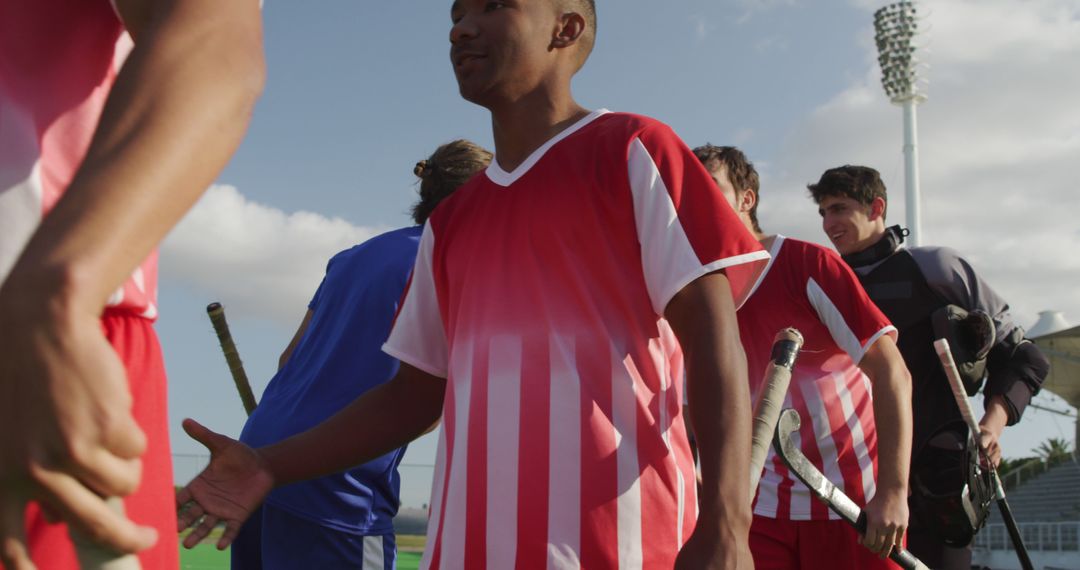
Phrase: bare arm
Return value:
(174, 116)
(702, 316)
(178, 109)
(295, 340)
(887, 512)
(991, 425)
(238, 477)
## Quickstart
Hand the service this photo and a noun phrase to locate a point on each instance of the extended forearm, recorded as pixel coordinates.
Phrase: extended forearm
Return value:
(720, 401)
(176, 113)
(996, 417)
(376, 423)
(702, 316)
(892, 414)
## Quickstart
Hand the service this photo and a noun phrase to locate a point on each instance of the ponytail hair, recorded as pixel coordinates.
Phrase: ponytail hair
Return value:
(450, 166)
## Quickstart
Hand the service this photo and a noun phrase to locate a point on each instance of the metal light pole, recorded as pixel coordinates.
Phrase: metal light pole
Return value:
(896, 27)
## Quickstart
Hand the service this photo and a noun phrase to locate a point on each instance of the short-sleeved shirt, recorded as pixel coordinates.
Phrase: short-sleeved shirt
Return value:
(810, 288)
(539, 294)
(58, 62)
(336, 360)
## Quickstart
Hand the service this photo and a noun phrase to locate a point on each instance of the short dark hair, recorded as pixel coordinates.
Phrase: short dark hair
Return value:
(860, 183)
(740, 171)
(450, 166)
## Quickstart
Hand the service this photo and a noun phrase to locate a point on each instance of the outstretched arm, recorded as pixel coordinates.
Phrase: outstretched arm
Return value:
(702, 316)
(238, 477)
(887, 512)
(174, 116)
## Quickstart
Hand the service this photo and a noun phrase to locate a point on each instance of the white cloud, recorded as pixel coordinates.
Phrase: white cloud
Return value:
(702, 27)
(999, 143)
(254, 258)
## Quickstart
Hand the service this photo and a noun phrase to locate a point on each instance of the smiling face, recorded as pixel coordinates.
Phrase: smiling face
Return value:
(503, 51)
(850, 225)
(500, 50)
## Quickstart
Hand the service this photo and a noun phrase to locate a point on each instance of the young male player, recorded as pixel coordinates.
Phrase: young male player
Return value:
(114, 117)
(860, 441)
(552, 301)
(910, 285)
(344, 520)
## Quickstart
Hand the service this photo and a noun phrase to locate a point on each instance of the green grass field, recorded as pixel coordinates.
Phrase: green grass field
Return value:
(206, 557)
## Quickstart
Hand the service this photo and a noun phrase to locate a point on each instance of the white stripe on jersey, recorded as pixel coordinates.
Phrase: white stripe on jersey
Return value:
(20, 215)
(831, 317)
(665, 249)
(422, 346)
(858, 438)
(454, 519)
(436, 500)
(503, 414)
(660, 359)
(819, 418)
(564, 462)
(624, 421)
(373, 553)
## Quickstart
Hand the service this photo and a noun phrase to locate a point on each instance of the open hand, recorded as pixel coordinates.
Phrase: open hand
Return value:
(228, 490)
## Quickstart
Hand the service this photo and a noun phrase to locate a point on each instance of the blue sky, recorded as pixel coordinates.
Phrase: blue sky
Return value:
(359, 91)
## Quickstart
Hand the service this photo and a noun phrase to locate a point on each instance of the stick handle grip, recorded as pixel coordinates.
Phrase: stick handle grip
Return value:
(217, 317)
(93, 556)
(785, 349)
(944, 352)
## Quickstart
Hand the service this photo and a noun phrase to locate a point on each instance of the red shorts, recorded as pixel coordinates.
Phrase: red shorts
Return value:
(153, 503)
(807, 545)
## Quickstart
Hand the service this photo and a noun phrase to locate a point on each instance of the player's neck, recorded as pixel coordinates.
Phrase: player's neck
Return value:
(524, 125)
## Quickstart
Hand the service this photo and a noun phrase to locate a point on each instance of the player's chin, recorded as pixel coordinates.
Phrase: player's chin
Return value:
(472, 93)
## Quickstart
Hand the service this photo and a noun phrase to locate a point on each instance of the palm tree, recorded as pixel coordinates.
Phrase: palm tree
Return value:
(1054, 450)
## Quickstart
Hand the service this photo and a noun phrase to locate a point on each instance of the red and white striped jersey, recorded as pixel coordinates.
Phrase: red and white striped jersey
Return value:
(58, 61)
(810, 288)
(539, 294)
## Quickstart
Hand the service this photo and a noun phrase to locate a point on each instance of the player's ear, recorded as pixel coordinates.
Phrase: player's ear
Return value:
(877, 208)
(747, 200)
(569, 30)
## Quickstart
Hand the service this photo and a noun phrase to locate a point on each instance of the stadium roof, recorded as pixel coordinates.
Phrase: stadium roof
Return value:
(1063, 350)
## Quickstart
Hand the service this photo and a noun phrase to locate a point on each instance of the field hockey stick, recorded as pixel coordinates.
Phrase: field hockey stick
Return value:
(960, 395)
(232, 357)
(824, 490)
(785, 350)
(95, 556)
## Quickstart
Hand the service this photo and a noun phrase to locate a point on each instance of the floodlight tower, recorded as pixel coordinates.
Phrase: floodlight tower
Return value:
(896, 27)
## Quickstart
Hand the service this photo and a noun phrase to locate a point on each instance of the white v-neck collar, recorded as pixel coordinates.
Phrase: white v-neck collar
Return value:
(774, 251)
(501, 177)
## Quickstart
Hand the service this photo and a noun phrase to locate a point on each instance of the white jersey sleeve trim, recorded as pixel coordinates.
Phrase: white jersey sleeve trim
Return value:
(667, 257)
(841, 333)
(419, 337)
(889, 330)
(774, 251)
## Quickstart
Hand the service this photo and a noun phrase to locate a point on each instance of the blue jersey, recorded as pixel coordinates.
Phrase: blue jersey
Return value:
(337, 359)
